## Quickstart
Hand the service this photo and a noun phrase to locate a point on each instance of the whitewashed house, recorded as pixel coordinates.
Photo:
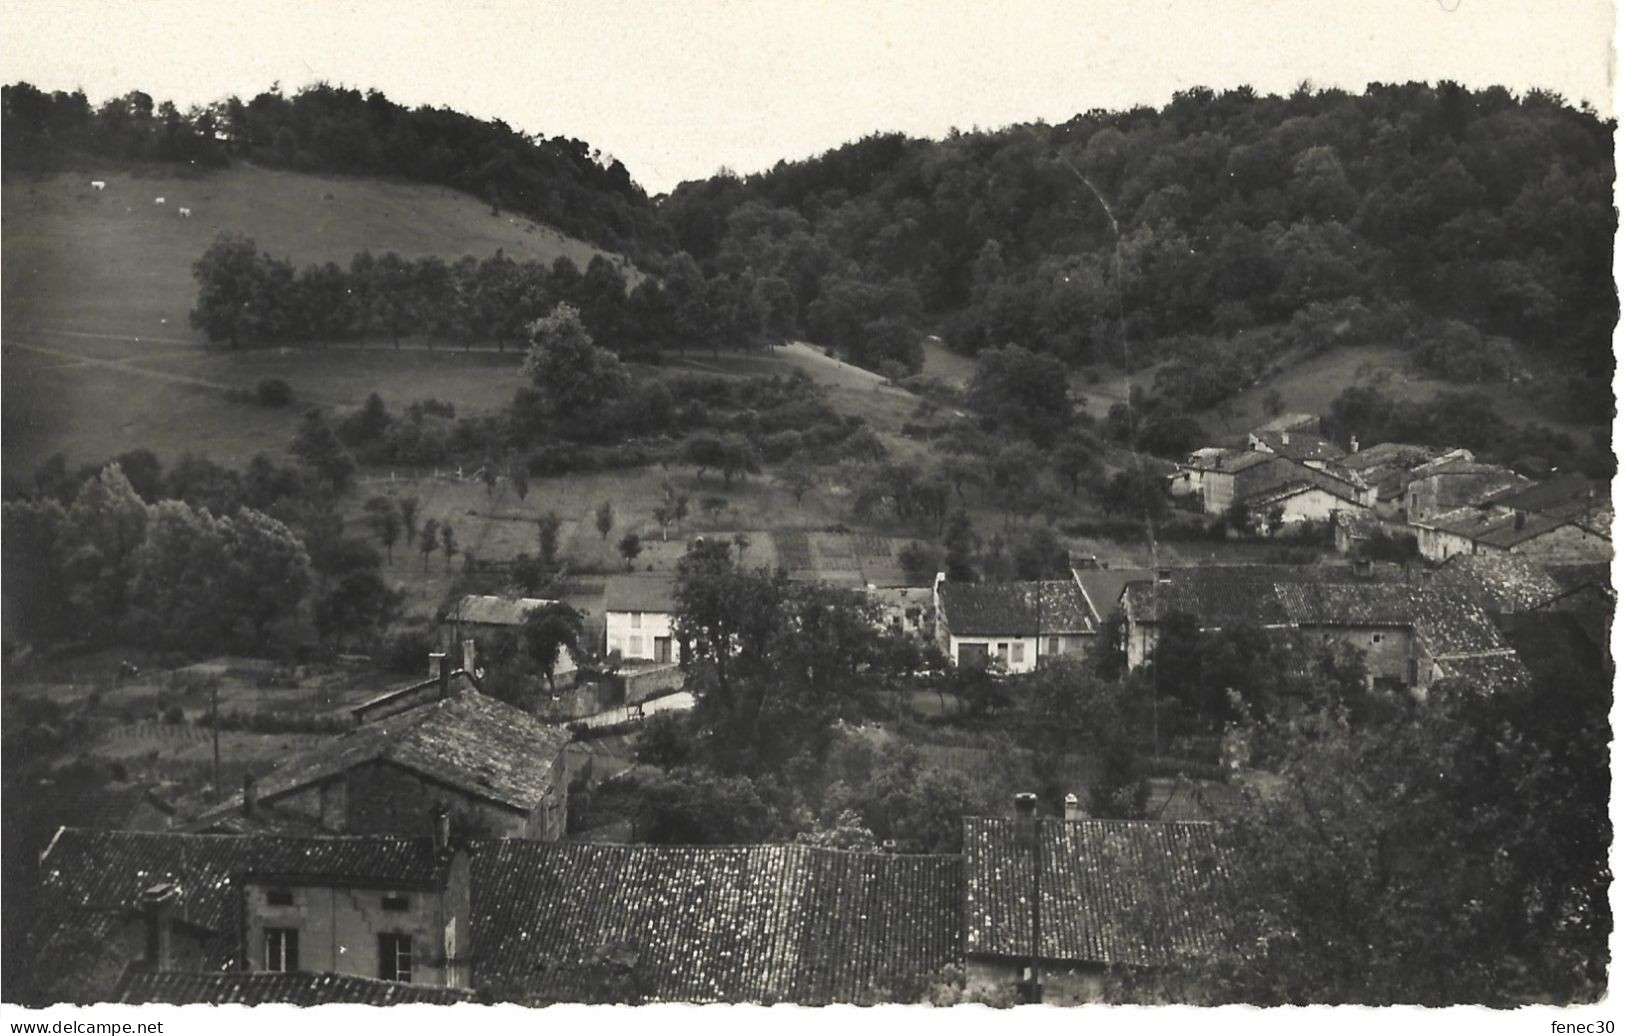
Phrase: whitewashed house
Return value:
(638, 614)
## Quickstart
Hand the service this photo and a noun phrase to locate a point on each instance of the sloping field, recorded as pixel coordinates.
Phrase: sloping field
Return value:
(99, 356)
(114, 262)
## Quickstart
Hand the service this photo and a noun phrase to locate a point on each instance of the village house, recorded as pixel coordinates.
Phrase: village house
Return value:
(1307, 424)
(529, 922)
(906, 609)
(497, 768)
(1386, 468)
(1453, 482)
(1266, 484)
(1011, 625)
(1111, 896)
(639, 611)
(1575, 532)
(1102, 588)
(1303, 447)
(477, 615)
(1410, 636)
(380, 907)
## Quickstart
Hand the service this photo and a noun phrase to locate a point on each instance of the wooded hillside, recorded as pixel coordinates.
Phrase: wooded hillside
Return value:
(1328, 214)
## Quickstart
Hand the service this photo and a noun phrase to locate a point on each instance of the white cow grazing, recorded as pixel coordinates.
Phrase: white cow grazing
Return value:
(158, 201)
(185, 212)
(100, 185)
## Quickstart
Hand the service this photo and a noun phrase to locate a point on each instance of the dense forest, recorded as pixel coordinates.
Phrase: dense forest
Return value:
(1413, 213)
(325, 129)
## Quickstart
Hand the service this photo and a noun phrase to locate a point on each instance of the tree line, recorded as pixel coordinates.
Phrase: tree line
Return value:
(559, 181)
(246, 297)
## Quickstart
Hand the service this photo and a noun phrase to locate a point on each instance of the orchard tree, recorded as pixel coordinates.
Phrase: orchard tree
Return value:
(604, 519)
(315, 446)
(384, 514)
(409, 518)
(630, 547)
(429, 541)
(547, 538)
(448, 542)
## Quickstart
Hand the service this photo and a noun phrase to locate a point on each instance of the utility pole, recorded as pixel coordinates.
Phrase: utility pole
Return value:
(214, 722)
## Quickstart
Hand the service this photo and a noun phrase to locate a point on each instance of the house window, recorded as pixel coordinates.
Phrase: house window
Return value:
(282, 949)
(395, 957)
(637, 620)
(397, 903)
(279, 897)
(1055, 645)
(1018, 652)
(634, 645)
(1376, 638)
(1004, 653)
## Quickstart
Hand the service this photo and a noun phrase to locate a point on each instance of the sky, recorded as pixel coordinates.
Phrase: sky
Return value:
(680, 88)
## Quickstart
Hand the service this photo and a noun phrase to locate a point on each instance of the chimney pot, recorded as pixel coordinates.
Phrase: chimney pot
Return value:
(434, 664)
(1027, 820)
(1071, 808)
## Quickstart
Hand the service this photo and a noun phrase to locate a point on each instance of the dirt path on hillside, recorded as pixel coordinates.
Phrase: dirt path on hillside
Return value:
(128, 366)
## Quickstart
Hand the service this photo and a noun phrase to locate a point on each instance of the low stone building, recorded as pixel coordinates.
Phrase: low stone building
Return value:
(497, 768)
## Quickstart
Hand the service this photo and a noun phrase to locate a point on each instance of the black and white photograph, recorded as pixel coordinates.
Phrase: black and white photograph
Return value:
(942, 506)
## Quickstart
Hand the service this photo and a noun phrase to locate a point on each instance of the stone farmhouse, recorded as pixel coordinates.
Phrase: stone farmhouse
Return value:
(481, 614)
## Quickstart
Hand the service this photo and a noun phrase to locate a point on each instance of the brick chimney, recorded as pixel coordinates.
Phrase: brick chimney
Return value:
(1165, 575)
(1026, 820)
(440, 669)
(470, 655)
(1354, 444)
(251, 796)
(1070, 807)
(158, 911)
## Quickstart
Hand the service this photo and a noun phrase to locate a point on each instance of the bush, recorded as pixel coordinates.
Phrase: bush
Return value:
(273, 392)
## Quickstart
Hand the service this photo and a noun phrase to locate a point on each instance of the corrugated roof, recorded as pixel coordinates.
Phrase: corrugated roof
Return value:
(1016, 609)
(1115, 892)
(299, 989)
(640, 593)
(470, 741)
(741, 924)
(496, 611)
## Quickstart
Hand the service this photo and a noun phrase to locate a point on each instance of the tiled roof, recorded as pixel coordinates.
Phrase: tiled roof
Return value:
(1497, 582)
(1395, 455)
(1018, 609)
(1317, 595)
(745, 924)
(1242, 460)
(495, 611)
(1299, 445)
(1489, 674)
(1511, 533)
(1278, 472)
(1544, 495)
(640, 593)
(299, 989)
(1103, 587)
(1469, 522)
(470, 741)
(1466, 482)
(1571, 576)
(1115, 892)
(105, 872)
